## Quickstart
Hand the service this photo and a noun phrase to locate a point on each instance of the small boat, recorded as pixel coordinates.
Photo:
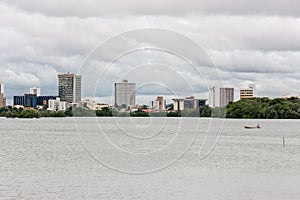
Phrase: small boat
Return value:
(252, 127)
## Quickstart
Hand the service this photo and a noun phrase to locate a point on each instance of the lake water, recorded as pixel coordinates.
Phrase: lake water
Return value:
(149, 158)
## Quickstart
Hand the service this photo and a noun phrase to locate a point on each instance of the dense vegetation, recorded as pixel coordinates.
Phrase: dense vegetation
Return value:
(265, 108)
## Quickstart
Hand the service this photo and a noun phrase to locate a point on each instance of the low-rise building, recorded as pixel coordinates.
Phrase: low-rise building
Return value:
(188, 103)
(57, 105)
(93, 105)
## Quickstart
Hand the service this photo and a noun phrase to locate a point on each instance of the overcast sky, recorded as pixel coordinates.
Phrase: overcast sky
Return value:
(248, 41)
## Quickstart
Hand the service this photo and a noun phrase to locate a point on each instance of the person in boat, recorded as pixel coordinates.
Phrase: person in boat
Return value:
(257, 126)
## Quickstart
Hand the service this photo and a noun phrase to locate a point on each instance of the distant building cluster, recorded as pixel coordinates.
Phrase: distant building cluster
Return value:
(69, 94)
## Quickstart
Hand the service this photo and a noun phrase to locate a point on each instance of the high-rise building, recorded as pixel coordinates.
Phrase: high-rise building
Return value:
(124, 93)
(69, 87)
(247, 92)
(226, 96)
(2, 100)
(1, 88)
(35, 90)
(220, 96)
(2, 97)
(161, 102)
(214, 97)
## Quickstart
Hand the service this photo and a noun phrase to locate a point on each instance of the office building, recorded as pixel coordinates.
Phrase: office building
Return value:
(69, 87)
(57, 105)
(31, 100)
(27, 100)
(2, 97)
(220, 96)
(226, 96)
(247, 93)
(188, 103)
(43, 100)
(124, 94)
(35, 90)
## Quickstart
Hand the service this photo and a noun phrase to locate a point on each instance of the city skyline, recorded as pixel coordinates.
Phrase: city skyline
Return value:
(224, 29)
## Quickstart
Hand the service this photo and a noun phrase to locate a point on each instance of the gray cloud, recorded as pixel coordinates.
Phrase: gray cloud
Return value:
(248, 41)
(89, 8)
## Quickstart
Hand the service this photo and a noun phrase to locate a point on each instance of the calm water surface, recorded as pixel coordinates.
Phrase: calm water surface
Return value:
(148, 158)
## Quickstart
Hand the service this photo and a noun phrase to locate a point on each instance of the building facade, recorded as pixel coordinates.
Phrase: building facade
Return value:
(220, 96)
(125, 94)
(69, 87)
(161, 103)
(247, 92)
(43, 100)
(31, 100)
(2, 100)
(57, 105)
(214, 97)
(2, 97)
(226, 96)
(27, 100)
(188, 103)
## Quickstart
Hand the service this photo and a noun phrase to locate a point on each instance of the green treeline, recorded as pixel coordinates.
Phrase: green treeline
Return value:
(265, 108)
(254, 108)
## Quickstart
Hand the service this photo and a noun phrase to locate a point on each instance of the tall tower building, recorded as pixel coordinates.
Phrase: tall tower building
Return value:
(69, 87)
(214, 97)
(2, 88)
(2, 98)
(125, 93)
(220, 96)
(161, 102)
(226, 96)
(35, 90)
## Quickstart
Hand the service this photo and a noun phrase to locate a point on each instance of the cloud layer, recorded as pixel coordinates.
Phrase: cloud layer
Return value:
(248, 41)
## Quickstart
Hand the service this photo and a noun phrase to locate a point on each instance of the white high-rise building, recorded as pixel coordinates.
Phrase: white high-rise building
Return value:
(214, 97)
(1, 88)
(35, 90)
(125, 94)
(2, 98)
